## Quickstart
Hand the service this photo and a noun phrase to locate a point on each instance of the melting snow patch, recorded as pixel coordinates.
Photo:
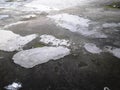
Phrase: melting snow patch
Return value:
(33, 57)
(13, 24)
(51, 40)
(11, 42)
(92, 48)
(13, 86)
(114, 51)
(76, 24)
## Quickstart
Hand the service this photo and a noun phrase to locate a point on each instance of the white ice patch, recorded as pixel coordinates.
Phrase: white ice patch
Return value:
(13, 86)
(10, 41)
(33, 57)
(109, 25)
(114, 51)
(76, 24)
(14, 24)
(70, 19)
(3, 16)
(92, 48)
(29, 16)
(48, 5)
(51, 40)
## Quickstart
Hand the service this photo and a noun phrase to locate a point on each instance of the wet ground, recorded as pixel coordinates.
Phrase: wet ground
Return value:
(80, 70)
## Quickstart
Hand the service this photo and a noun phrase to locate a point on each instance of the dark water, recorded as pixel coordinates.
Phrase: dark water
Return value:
(80, 72)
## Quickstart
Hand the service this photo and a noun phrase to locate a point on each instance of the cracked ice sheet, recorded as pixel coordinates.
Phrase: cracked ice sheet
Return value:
(10, 41)
(32, 57)
(51, 40)
(92, 48)
(76, 24)
(48, 5)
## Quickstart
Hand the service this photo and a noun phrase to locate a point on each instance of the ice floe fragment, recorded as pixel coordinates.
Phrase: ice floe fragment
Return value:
(113, 50)
(32, 57)
(92, 48)
(51, 40)
(70, 19)
(10, 41)
(13, 86)
(76, 24)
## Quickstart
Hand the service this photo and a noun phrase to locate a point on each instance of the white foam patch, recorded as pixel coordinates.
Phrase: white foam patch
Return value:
(10, 41)
(51, 40)
(92, 48)
(33, 57)
(48, 5)
(14, 24)
(76, 24)
(3, 16)
(13, 86)
(109, 25)
(114, 51)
